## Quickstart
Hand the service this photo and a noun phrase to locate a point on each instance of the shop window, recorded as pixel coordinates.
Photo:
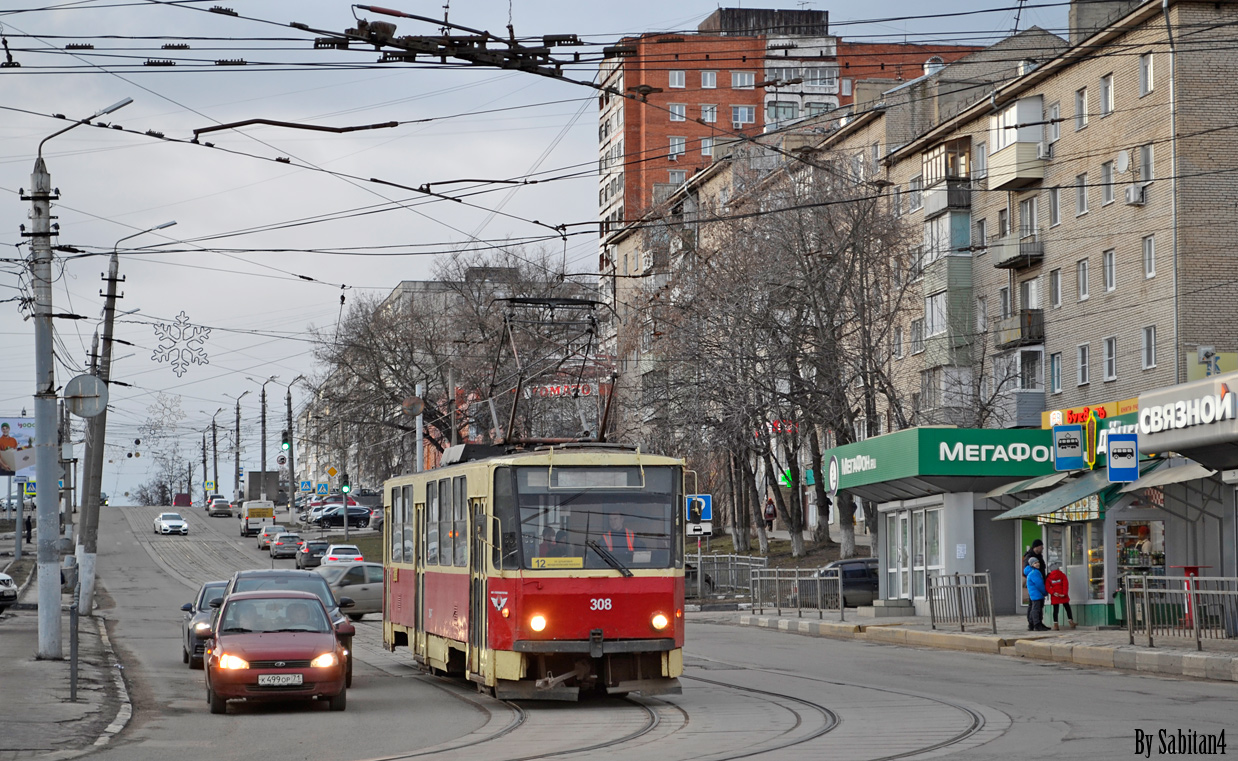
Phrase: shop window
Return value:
(1141, 547)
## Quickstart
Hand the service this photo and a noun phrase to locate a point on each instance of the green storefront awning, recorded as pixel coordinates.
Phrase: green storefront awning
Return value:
(1031, 484)
(1092, 482)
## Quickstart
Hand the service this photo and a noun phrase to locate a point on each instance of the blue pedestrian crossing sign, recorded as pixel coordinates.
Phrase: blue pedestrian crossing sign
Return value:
(700, 508)
(30, 490)
(307, 486)
(210, 486)
(322, 488)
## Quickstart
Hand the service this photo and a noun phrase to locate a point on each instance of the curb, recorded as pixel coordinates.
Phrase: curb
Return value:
(1214, 667)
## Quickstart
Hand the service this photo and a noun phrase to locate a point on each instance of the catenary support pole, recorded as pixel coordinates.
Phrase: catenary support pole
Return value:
(421, 442)
(263, 475)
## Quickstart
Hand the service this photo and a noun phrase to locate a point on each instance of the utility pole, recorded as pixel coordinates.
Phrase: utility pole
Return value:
(421, 441)
(66, 504)
(215, 451)
(292, 446)
(264, 442)
(451, 400)
(236, 468)
(206, 495)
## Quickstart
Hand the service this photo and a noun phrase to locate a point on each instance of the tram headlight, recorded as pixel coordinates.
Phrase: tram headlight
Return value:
(659, 621)
(537, 623)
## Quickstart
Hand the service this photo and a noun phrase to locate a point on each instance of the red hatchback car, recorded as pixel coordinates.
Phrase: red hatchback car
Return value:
(271, 645)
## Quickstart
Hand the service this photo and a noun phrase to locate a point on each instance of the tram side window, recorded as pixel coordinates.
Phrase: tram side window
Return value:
(406, 525)
(444, 522)
(432, 523)
(393, 526)
(460, 486)
(507, 543)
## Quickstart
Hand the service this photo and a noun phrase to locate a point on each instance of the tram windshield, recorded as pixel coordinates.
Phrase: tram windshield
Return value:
(588, 517)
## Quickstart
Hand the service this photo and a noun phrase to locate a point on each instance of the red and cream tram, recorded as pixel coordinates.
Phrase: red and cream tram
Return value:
(540, 573)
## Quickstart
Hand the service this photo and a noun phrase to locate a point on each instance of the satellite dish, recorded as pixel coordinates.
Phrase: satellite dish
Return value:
(413, 406)
(1123, 162)
(85, 396)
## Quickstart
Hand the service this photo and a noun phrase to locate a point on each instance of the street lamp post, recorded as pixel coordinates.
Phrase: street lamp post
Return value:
(236, 469)
(263, 477)
(98, 435)
(292, 445)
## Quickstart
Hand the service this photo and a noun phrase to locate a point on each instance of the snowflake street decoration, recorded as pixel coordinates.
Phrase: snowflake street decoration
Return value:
(181, 344)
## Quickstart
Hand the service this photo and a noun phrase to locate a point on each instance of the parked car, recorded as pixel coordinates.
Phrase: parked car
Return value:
(363, 582)
(219, 506)
(859, 577)
(171, 523)
(314, 513)
(286, 579)
(285, 545)
(8, 591)
(311, 553)
(358, 517)
(197, 622)
(271, 645)
(342, 553)
(268, 533)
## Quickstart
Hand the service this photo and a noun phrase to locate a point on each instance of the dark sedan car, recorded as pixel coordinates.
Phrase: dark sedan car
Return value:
(285, 545)
(859, 577)
(311, 552)
(198, 621)
(271, 645)
(287, 579)
(358, 517)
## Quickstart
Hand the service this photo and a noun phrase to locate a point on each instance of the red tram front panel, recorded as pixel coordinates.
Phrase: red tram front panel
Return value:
(623, 608)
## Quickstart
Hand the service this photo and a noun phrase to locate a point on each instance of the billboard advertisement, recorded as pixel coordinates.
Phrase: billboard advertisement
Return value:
(17, 446)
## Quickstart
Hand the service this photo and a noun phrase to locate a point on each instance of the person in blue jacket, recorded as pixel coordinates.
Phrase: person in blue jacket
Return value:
(1035, 575)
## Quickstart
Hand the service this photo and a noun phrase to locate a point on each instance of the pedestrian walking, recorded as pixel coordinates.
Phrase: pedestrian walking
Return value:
(1038, 550)
(29, 528)
(770, 513)
(1058, 587)
(1036, 595)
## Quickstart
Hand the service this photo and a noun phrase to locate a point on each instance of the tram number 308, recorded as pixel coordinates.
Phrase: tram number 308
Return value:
(600, 603)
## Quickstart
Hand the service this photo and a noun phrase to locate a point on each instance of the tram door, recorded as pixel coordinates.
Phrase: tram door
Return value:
(477, 581)
(419, 621)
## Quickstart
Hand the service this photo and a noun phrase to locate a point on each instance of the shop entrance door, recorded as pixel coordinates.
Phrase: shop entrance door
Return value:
(904, 556)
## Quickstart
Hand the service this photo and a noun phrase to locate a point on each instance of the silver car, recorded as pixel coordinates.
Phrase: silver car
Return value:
(363, 582)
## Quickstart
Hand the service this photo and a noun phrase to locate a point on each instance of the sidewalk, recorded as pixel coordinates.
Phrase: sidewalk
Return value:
(38, 720)
(1172, 656)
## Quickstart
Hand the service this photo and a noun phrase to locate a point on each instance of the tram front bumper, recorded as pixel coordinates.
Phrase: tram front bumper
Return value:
(609, 647)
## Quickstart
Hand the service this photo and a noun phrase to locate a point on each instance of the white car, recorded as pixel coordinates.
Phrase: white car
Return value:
(171, 523)
(342, 553)
(8, 591)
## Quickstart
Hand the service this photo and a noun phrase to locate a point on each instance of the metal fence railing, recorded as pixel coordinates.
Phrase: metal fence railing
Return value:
(1200, 607)
(799, 589)
(720, 574)
(961, 598)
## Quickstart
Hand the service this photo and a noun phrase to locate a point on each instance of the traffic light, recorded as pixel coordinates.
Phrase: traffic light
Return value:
(286, 444)
(345, 487)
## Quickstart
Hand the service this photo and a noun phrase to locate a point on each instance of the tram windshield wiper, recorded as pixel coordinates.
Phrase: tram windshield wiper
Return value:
(610, 559)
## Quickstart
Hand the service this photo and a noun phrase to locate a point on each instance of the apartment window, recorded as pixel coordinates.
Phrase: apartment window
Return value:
(1003, 223)
(1082, 358)
(709, 114)
(1055, 288)
(743, 80)
(707, 146)
(1149, 347)
(1145, 164)
(1053, 130)
(1081, 109)
(677, 176)
(896, 200)
(1106, 95)
(897, 347)
(935, 314)
(816, 109)
(930, 388)
(914, 200)
(980, 160)
(1003, 301)
(676, 78)
(1111, 359)
(1029, 294)
(1028, 217)
(709, 80)
(982, 236)
(741, 115)
(917, 264)
(820, 76)
(1145, 74)
(1081, 194)
(1081, 278)
(982, 314)
(1108, 269)
(937, 235)
(1055, 207)
(1106, 183)
(679, 146)
(1055, 373)
(917, 336)
(1149, 256)
(781, 110)
(679, 112)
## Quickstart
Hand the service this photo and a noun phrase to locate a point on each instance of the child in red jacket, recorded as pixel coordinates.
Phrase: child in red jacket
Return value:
(1058, 587)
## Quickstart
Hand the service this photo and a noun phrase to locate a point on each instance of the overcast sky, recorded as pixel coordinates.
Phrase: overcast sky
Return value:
(259, 217)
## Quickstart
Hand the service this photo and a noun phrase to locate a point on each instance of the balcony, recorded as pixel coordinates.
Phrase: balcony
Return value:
(1015, 166)
(1023, 328)
(953, 193)
(1017, 249)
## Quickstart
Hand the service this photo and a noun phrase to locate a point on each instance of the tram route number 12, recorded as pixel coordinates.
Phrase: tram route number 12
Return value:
(600, 603)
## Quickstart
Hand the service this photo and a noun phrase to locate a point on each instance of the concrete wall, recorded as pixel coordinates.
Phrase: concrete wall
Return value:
(997, 552)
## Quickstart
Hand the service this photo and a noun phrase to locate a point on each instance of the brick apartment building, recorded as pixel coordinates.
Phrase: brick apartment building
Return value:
(743, 71)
